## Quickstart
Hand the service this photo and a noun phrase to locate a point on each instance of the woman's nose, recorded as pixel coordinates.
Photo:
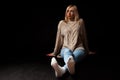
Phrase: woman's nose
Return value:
(69, 13)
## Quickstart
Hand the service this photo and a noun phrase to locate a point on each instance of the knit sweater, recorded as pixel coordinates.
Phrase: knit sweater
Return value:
(71, 35)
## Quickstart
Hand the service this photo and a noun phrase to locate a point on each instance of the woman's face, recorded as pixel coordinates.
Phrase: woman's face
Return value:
(70, 13)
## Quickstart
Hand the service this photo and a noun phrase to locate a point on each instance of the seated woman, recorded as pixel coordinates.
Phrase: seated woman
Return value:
(71, 42)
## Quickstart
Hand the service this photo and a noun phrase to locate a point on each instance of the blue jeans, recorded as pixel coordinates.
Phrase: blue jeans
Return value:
(78, 54)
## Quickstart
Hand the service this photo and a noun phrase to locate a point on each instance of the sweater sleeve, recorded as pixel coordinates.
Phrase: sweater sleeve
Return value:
(84, 36)
(59, 40)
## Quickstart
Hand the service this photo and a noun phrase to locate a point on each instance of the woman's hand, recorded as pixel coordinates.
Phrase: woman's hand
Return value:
(90, 52)
(50, 54)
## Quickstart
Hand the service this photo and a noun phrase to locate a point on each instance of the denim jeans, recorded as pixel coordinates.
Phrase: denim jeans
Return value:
(78, 54)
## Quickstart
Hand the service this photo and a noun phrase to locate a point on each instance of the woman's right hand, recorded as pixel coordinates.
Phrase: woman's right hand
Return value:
(51, 55)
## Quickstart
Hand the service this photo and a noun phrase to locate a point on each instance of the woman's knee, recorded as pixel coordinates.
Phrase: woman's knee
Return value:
(78, 55)
(66, 51)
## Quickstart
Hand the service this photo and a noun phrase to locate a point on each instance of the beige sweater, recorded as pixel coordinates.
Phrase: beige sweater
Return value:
(71, 35)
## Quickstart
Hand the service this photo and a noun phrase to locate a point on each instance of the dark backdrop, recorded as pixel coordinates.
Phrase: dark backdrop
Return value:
(36, 34)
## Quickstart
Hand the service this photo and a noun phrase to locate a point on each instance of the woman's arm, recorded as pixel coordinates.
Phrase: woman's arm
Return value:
(58, 43)
(84, 35)
(84, 38)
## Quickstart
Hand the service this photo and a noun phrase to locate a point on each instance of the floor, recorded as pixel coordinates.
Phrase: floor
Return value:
(92, 68)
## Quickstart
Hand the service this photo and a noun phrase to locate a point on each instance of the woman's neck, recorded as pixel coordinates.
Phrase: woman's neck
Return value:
(71, 20)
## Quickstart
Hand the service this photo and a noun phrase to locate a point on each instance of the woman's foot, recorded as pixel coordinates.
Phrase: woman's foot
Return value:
(71, 65)
(59, 71)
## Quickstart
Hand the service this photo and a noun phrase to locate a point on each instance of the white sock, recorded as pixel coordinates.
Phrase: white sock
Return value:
(59, 71)
(71, 65)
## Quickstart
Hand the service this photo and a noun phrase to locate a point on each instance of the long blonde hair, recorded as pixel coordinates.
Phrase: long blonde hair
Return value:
(76, 13)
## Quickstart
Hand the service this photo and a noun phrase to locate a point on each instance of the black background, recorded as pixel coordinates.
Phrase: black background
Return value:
(35, 34)
(36, 31)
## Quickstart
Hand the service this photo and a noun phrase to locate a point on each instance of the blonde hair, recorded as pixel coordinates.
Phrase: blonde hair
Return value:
(76, 13)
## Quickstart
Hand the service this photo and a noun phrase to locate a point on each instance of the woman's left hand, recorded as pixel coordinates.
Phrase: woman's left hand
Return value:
(91, 52)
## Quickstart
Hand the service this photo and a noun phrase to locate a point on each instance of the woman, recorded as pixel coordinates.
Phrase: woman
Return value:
(71, 42)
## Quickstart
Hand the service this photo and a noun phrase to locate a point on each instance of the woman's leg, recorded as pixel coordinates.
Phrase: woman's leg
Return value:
(67, 56)
(59, 71)
(78, 54)
(66, 53)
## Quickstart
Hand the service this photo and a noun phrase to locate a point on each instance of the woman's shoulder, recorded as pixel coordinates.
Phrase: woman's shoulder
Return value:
(81, 20)
(62, 21)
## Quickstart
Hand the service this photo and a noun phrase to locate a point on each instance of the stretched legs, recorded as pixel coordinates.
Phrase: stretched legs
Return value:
(70, 58)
